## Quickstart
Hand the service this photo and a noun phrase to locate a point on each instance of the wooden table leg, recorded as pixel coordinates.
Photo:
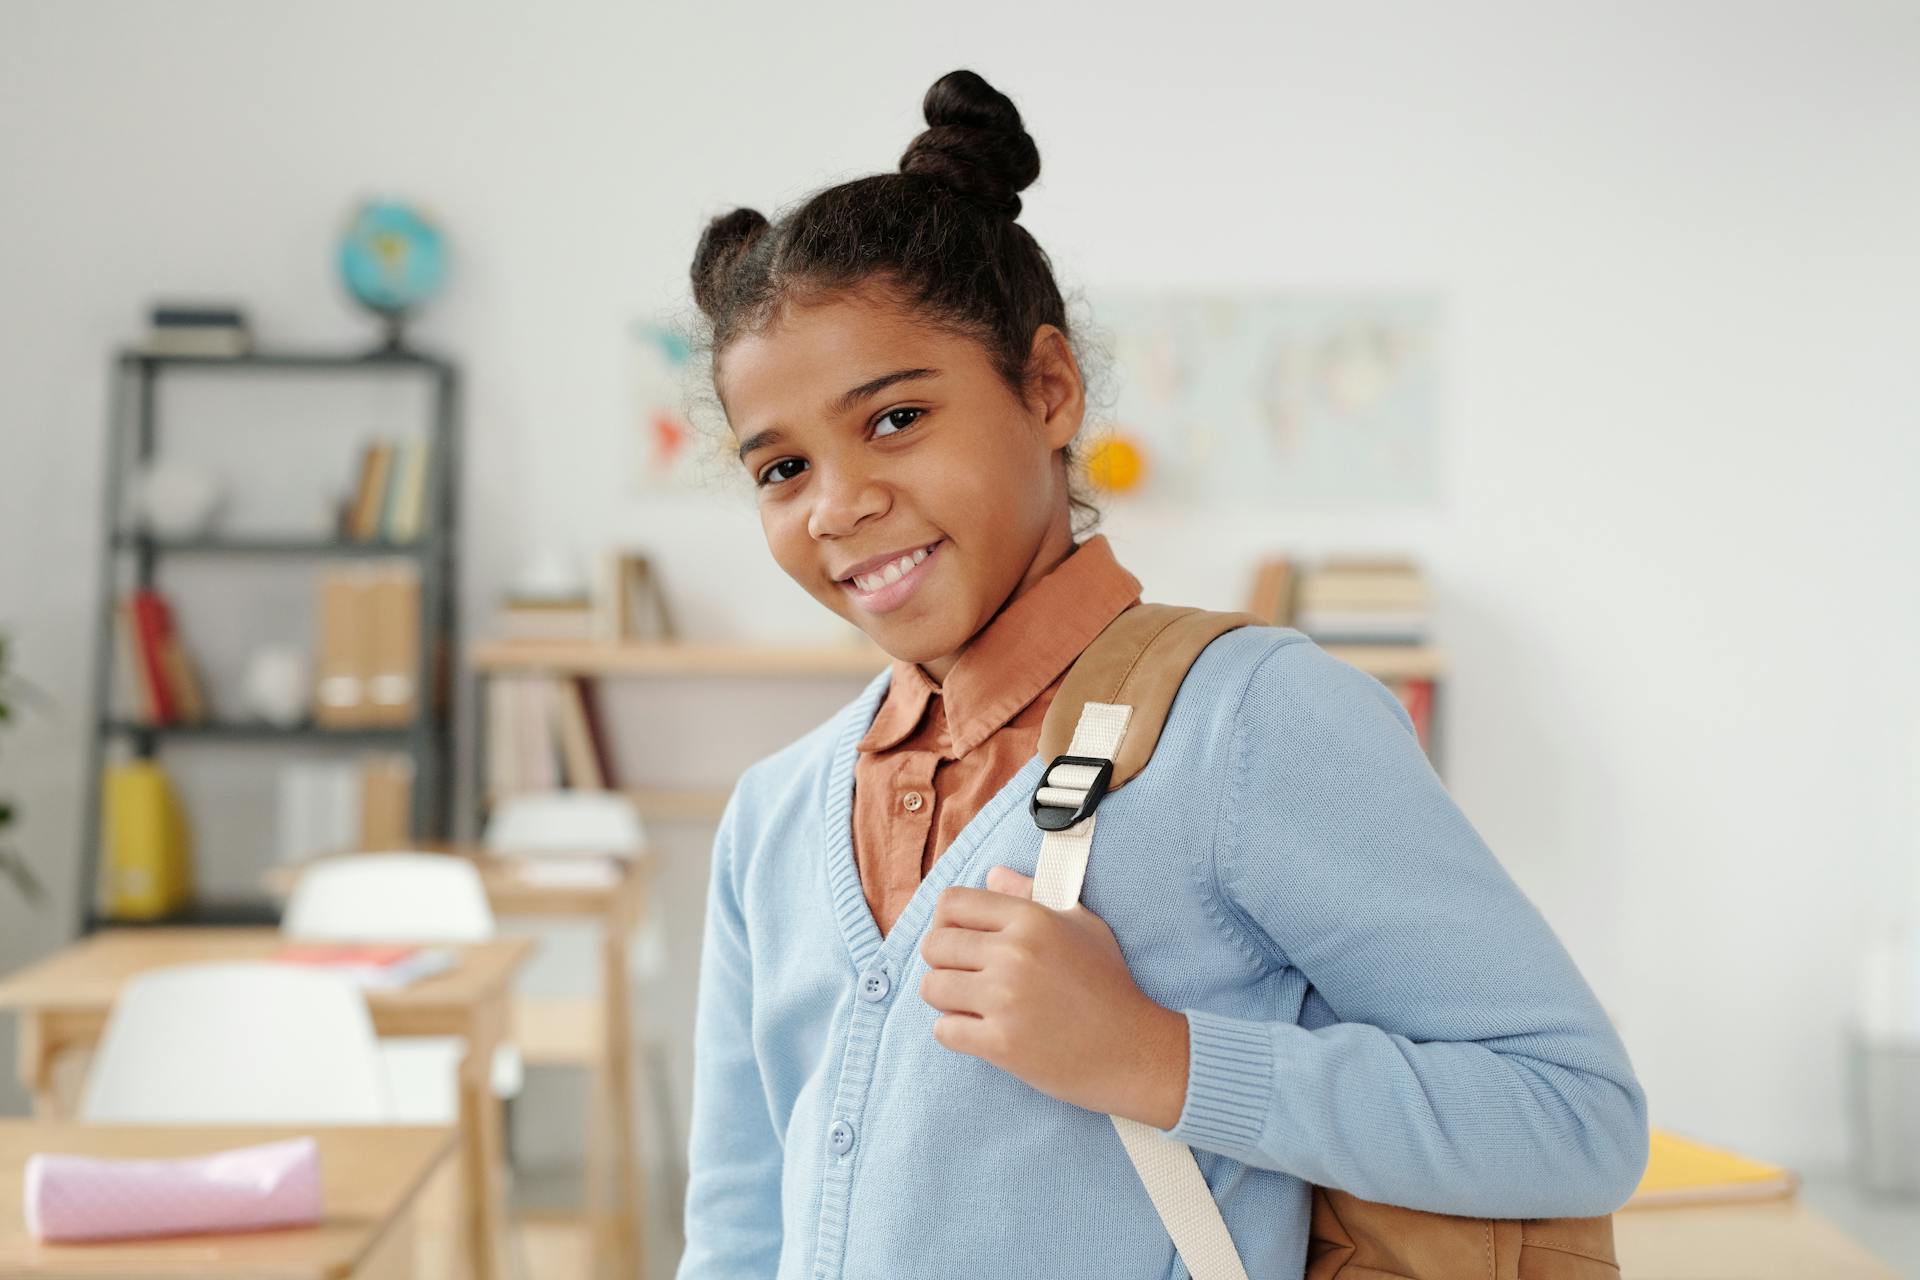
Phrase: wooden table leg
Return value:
(484, 1210)
(35, 1054)
(630, 1208)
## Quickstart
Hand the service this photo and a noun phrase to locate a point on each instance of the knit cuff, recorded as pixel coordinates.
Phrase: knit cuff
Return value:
(1229, 1084)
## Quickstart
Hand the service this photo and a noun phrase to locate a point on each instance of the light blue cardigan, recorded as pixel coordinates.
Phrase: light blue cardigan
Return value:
(1373, 1005)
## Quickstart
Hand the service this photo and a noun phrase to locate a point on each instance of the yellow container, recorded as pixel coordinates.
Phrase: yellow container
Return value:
(148, 869)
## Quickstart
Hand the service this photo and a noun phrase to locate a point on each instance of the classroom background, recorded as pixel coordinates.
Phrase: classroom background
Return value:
(1631, 291)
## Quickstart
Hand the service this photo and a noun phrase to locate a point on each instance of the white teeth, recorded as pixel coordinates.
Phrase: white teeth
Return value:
(892, 573)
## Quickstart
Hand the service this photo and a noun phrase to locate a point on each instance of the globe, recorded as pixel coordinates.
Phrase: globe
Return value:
(392, 260)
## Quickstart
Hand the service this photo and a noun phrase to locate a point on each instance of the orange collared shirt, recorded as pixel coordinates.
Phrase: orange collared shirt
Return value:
(936, 753)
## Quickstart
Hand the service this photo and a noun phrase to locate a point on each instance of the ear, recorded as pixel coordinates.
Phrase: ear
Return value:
(1055, 388)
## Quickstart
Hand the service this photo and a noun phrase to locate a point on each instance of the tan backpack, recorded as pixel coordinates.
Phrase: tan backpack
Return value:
(1099, 731)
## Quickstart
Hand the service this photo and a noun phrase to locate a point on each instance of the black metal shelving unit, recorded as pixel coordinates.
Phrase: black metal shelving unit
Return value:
(132, 441)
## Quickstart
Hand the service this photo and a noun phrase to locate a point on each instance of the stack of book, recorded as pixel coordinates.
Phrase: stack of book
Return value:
(389, 497)
(1351, 600)
(343, 806)
(1363, 600)
(626, 603)
(175, 330)
(548, 618)
(545, 732)
(154, 663)
(368, 655)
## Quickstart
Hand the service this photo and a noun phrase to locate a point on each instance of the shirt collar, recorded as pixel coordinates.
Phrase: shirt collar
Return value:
(1012, 660)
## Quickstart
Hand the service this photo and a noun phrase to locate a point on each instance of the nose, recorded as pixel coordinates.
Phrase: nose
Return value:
(844, 496)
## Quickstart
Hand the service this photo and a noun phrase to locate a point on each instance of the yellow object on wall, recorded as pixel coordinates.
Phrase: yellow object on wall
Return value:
(148, 867)
(1116, 464)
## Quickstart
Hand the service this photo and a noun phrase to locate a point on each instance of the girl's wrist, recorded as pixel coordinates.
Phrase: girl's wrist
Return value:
(1158, 1092)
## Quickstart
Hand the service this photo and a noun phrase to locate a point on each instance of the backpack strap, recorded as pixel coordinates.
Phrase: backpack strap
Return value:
(1114, 702)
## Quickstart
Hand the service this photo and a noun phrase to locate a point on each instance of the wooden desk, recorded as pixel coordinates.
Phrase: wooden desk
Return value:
(63, 1001)
(1779, 1239)
(552, 1031)
(369, 1179)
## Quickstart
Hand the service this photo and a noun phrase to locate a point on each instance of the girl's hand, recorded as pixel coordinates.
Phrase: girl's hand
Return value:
(1045, 995)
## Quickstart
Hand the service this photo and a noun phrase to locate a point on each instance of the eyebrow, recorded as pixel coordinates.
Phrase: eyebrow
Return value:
(846, 401)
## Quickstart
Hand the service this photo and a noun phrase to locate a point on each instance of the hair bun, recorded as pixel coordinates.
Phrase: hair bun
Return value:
(722, 245)
(974, 143)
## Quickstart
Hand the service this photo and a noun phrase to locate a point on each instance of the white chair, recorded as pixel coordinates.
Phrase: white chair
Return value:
(240, 1043)
(414, 897)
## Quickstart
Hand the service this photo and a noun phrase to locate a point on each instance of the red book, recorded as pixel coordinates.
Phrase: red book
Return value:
(150, 630)
(371, 964)
(1419, 702)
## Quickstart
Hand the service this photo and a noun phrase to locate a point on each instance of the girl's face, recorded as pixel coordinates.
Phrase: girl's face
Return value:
(873, 437)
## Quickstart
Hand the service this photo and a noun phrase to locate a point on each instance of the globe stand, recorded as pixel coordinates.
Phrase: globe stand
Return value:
(393, 325)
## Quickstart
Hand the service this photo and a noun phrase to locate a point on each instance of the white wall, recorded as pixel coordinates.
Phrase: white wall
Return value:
(1680, 246)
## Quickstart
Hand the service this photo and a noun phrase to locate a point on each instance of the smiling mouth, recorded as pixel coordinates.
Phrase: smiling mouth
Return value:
(888, 574)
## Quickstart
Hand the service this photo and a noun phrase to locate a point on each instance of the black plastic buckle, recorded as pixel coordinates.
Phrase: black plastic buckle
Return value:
(1048, 817)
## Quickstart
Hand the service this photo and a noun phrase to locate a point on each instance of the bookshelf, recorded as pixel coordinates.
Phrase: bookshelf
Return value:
(595, 659)
(131, 557)
(1385, 662)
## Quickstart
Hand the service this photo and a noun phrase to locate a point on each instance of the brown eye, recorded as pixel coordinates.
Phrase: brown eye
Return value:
(892, 416)
(763, 480)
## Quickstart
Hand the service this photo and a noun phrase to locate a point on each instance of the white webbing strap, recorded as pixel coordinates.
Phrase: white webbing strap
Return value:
(1166, 1167)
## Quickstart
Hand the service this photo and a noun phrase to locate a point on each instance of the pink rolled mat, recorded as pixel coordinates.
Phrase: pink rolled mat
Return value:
(276, 1184)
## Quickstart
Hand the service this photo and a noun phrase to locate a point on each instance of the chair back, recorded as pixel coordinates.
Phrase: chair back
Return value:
(253, 1042)
(372, 897)
(566, 821)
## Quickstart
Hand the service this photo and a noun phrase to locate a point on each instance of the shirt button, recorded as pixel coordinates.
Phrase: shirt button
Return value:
(913, 800)
(875, 985)
(840, 1137)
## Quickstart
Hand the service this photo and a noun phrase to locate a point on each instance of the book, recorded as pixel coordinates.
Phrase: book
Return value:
(386, 801)
(576, 739)
(1374, 590)
(407, 493)
(1273, 588)
(377, 966)
(546, 620)
(597, 729)
(133, 667)
(177, 315)
(371, 499)
(342, 654)
(150, 632)
(1416, 695)
(182, 677)
(1683, 1171)
(362, 478)
(539, 764)
(503, 701)
(1363, 626)
(391, 637)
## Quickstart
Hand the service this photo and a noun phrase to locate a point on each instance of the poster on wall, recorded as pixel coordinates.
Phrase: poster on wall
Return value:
(668, 446)
(1308, 400)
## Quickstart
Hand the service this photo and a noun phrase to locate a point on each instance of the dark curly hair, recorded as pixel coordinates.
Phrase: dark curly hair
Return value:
(940, 235)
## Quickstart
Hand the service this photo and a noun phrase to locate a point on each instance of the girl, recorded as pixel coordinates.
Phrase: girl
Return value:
(1292, 954)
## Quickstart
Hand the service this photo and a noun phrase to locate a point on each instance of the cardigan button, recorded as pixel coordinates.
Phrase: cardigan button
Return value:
(913, 800)
(875, 985)
(840, 1137)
